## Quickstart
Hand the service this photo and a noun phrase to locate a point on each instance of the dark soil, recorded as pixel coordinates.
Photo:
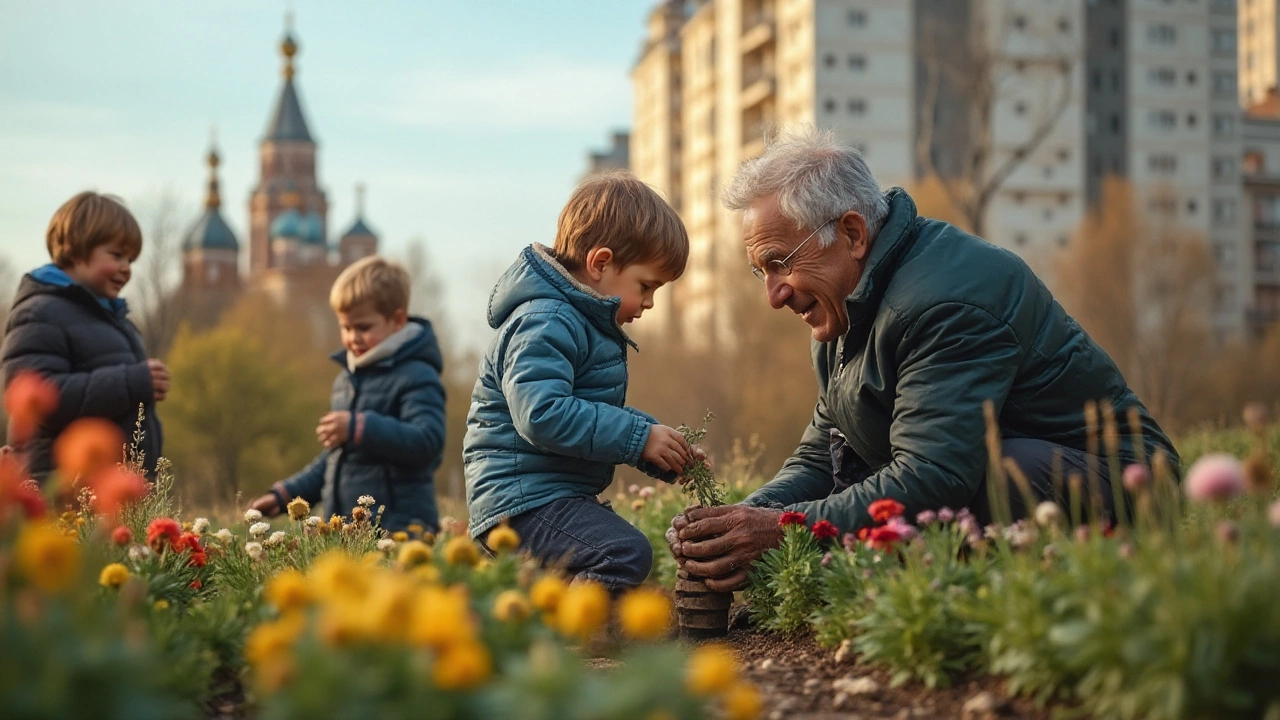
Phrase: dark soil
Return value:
(800, 679)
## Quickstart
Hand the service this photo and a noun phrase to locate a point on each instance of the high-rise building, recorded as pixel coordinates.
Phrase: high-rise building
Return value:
(1261, 170)
(1258, 33)
(1025, 104)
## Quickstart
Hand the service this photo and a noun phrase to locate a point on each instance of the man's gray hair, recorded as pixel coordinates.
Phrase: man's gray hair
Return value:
(816, 179)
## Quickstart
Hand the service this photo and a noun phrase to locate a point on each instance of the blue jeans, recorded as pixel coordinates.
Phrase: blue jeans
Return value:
(588, 540)
(1035, 458)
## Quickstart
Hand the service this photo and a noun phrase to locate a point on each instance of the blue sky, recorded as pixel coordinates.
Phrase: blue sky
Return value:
(468, 121)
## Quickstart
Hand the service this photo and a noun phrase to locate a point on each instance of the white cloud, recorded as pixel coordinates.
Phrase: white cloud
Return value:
(540, 93)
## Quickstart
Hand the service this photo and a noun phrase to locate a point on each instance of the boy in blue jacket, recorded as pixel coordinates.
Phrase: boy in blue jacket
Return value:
(385, 433)
(547, 423)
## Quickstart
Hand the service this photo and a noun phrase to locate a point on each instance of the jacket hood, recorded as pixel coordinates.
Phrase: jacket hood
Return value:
(536, 275)
(419, 344)
(53, 280)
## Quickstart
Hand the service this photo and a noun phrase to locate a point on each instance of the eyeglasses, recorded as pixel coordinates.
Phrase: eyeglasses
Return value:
(782, 267)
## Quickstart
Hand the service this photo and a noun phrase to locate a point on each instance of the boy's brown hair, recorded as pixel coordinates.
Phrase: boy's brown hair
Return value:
(86, 221)
(383, 282)
(622, 213)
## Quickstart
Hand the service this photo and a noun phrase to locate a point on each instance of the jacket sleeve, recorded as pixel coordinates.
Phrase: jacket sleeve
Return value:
(35, 344)
(307, 482)
(540, 354)
(953, 359)
(415, 439)
(807, 474)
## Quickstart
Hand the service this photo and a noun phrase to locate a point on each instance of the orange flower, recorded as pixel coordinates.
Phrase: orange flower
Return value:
(87, 446)
(28, 400)
(113, 487)
(122, 536)
(162, 530)
(884, 509)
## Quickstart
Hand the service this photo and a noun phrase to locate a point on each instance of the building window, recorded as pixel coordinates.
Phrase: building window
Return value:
(1224, 126)
(857, 106)
(1192, 77)
(1225, 254)
(1224, 211)
(857, 18)
(857, 62)
(1266, 211)
(829, 60)
(1019, 108)
(1095, 79)
(1064, 154)
(1225, 298)
(1114, 36)
(1224, 84)
(1020, 239)
(1162, 164)
(1117, 125)
(1192, 206)
(1115, 81)
(829, 105)
(1222, 41)
(1162, 34)
(1163, 119)
(1020, 22)
(1064, 25)
(1063, 240)
(1162, 77)
(1162, 204)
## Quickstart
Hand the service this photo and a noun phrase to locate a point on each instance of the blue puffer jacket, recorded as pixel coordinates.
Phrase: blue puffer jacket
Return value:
(396, 453)
(547, 419)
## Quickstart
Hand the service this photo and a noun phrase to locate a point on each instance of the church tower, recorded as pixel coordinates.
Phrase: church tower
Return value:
(286, 179)
(210, 250)
(359, 241)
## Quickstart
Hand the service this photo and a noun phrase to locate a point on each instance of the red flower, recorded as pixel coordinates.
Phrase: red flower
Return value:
(18, 489)
(191, 541)
(883, 537)
(864, 533)
(196, 584)
(885, 508)
(164, 529)
(823, 529)
(28, 400)
(122, 536)
(791, 517)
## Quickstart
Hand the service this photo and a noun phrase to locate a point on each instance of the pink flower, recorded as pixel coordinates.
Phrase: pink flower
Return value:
(826, 559)
(646, 492)
(946, 515)
(1136, 477)
(634, 489)
(1273, 514)
(1215, 477)
(926, 517)
(1228, 532)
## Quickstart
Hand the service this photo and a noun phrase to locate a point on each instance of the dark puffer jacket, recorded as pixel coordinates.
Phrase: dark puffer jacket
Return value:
(90, 350)
(396, 446)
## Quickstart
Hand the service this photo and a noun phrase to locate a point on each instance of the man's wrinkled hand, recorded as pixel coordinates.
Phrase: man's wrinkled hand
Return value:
(720, 543)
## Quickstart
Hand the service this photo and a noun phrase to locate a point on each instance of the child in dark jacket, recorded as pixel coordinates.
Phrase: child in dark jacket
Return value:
(384, 436)
(69, 325)
(547, 424)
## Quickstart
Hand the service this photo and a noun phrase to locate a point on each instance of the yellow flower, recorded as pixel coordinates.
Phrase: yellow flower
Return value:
(335, 522)
(288, 591)
(742, 702)
(440, 617)
(337, 576)
(390, 606)
(546, 593)
(272, 640)
(511, 606)
(416, 529)
(583, 610)
(461, 551)
(359, 514)
(712, 670)
(46, 557)
(429, 574)
(413, 553)
(637, 505)
(645, 614)
(344, 621)
(298, 509)
(461, 666)
(400, 536)
(161, 604)
(503, 539)
(113, 576)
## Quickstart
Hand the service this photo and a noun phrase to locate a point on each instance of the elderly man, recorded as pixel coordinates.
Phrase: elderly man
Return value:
(916, 325)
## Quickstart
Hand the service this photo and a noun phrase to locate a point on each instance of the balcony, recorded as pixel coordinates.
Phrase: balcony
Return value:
(758, 85)
(757, 31)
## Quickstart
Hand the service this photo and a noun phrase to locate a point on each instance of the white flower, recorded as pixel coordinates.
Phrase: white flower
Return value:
(138, 553)
(276, 538)
(254, 550)
(259, 529)
(1047, 514)
(200, 526)
(365, 501)
(314, 521)
(386, 544)
(224, 536)
(252, 516)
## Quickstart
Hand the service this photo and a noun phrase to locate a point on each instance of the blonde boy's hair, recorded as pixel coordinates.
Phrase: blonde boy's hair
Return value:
(383, 282)
(620, 212)
(86, 221)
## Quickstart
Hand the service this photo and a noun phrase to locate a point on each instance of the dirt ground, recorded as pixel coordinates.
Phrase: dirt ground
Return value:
(800, 679)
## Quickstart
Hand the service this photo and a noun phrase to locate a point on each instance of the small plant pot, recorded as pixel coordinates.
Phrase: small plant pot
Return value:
(701, 612)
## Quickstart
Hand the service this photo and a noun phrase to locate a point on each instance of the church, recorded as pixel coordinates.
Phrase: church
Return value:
(291, 258)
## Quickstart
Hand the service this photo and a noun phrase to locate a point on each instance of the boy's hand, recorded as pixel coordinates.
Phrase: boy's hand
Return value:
(267, 505)
(334, 429)
(666, 448)
(159, 379)
(696, 454)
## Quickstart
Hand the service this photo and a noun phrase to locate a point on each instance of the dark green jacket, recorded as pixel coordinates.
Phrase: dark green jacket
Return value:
(940, 322)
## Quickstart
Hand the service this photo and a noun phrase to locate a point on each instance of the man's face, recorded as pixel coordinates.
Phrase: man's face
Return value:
(363, 327)
(821, 278)
(106, 271)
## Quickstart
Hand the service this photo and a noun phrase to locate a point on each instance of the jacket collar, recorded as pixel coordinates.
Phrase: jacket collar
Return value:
(895, 237)
(54, 276)
(601, 310)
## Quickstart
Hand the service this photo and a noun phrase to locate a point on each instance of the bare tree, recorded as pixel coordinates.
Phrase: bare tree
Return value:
(957, 140)
(427, 295)
(160, 308)
(1142, 289)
